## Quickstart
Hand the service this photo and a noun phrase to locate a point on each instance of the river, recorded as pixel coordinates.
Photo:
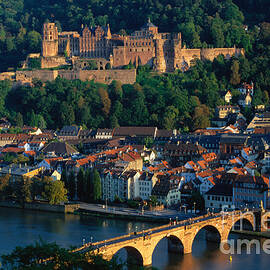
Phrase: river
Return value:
(23, 227)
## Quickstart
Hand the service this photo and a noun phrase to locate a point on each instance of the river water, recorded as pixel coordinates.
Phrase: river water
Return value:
(23, 227)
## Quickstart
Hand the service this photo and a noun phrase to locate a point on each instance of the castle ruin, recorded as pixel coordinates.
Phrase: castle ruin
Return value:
(162, 51)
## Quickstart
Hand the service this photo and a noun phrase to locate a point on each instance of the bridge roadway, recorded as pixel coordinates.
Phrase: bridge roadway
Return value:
(141, 245)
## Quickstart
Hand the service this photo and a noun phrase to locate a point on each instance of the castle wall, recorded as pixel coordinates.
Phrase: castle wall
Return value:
(7, 76)
(51, 62)
(189, 55)
(26, 76)
(104, 76)
(210, 54)
(127, 76)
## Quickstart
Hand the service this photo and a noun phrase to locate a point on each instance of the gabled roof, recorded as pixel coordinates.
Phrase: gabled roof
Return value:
(163, 186)
(135, 131)
(221, 189)
(59, 148)
(164, 133)
(69, 131)
(233, 139)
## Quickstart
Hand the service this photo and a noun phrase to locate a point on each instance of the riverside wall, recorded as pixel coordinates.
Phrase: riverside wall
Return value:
(67, 208)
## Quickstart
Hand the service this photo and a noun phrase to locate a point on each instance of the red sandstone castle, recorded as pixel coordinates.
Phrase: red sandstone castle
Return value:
(162, 51)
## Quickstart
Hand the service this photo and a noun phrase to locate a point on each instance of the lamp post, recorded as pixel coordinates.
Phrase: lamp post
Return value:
(91, 239)
(83, 241)
(194, 207)
(185, 209)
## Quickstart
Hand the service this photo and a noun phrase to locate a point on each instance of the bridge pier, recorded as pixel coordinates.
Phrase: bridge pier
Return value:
(147, 261)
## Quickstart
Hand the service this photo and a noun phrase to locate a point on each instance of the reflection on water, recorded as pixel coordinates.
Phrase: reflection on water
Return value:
(207, 256)
(18, 227)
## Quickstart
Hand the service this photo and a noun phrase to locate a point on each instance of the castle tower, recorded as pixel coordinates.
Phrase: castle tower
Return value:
(50, 40)
(159, 60)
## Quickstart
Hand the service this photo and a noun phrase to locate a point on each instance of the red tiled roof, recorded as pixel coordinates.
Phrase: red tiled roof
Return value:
(49, 160)
(247, 150)
(202, 164)
(211, 180)
(209, 157)
(30, 153)
(12, 150)
(205, 174)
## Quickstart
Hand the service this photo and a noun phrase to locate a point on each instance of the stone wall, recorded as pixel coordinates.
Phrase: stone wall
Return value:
(44, 75)
(127, 76)
(7, 76)
(210, 54)
(51, 62)
(67, 208)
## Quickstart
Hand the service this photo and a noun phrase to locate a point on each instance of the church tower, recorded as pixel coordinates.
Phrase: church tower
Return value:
(50, 40)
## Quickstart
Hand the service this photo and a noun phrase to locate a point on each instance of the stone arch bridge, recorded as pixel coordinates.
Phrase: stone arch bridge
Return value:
(181, 235)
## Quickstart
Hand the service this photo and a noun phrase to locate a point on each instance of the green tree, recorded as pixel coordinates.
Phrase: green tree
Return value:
(33, 40)
(19, 120)
(235, 76)
(170, 117)
(96, 185)
(22, 190)
(71, 185)
(55, 192)
(148, 142)
(201, 117)
(29, 258)
(4, 184)
(106, 102)
(89, 191)
(64, 178)
(81, 184)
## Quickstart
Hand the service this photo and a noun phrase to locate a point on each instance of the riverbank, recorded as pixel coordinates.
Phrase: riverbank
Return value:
(44, 207)
(161, 216)
(97, 210)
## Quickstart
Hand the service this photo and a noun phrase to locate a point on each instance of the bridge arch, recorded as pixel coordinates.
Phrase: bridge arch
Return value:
(212, 234)
(133, 255)
(174, 245)
(240, 221)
